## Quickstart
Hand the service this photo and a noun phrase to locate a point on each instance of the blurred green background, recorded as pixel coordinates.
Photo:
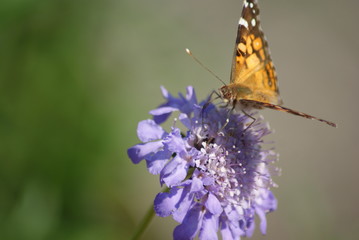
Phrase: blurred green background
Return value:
(76, 76)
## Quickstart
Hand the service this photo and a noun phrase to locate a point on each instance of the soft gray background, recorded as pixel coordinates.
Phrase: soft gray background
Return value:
(77, 76)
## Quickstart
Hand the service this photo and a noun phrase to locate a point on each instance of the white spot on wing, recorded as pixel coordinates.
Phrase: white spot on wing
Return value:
(245, 3)
(253, 22)
(251, 5)
(243, 22)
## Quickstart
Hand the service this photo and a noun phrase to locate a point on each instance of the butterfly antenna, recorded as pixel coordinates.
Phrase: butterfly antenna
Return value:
(202, 65)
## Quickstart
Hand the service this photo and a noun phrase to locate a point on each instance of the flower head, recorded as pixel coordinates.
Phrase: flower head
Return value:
(216, 171)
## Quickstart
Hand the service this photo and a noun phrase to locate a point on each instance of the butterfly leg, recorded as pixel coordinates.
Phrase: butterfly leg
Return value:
(209, 101)
(251, 117)
(227, 118)
(229, 113)
(224, 125)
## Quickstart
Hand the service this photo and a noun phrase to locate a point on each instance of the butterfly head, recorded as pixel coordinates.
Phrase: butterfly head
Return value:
(226, 94)
(232, 92)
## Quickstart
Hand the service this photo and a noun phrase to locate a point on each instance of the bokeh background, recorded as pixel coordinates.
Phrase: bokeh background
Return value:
(77, 75)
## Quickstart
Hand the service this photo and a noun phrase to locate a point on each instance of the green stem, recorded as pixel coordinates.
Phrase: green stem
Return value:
(146, 220)
(144, 224)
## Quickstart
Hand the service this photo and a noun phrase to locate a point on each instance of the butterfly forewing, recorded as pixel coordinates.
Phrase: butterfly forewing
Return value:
(252, 66)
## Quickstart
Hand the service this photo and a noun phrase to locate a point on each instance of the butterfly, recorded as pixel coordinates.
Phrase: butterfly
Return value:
(254, 81)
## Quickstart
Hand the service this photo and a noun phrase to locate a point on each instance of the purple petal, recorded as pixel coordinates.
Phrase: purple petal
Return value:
(199, 112)
(262, 216)
(161, 118)
(209, 227)
(140, 151)
(185, 120)
(161, 114)
(196, 185)
(165, 202)
(156, 162)
(171, 101)
(163, 110)
(165, 93)
(207, 181)
(250, 224)
(234, 227)
(232, 214)
(268, 202)
(226, 231)
(213, 205)
(191, 95)
(185, 105)
(148, 130)
(183, 206)
(265, 203)
(189, 102)
(174, 172)
(190, 225)
(174, 141)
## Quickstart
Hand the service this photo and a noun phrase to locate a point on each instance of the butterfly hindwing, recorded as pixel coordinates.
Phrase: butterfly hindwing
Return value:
(252, 66)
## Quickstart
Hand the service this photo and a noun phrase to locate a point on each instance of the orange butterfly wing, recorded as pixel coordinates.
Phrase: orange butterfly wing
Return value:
(253, 75)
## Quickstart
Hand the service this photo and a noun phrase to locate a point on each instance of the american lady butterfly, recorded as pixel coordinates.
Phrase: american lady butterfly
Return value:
(253, 77)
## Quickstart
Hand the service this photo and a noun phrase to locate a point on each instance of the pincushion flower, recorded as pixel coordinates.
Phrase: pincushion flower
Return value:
(217, 173)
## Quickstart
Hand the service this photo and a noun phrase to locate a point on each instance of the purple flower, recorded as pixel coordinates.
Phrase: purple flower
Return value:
(216, 171)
